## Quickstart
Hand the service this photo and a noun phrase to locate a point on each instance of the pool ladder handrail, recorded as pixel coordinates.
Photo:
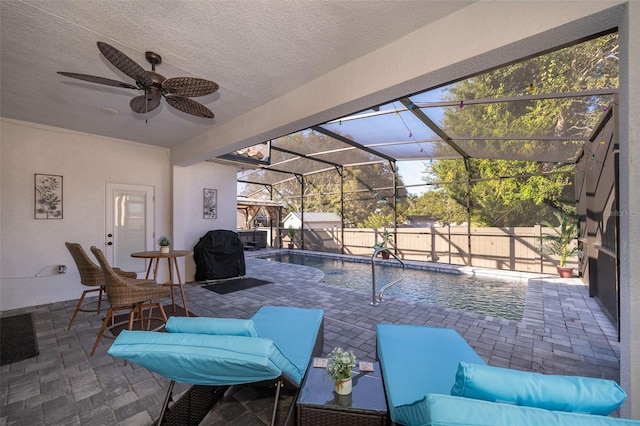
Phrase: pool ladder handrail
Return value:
(377, 250)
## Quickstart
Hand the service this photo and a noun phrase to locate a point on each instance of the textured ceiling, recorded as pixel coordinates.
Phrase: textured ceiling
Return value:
(255, 50)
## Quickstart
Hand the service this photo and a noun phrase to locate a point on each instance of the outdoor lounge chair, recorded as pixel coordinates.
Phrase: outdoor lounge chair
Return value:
(275, 346)
(433, 377)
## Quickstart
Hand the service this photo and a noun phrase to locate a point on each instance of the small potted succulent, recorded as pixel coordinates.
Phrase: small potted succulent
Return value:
(339, 369)
(164, 243)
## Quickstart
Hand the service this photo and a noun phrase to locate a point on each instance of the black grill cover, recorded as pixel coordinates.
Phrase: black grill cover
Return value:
(219, 254)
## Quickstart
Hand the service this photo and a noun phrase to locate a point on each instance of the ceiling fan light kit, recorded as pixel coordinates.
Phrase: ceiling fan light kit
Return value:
(177, 91)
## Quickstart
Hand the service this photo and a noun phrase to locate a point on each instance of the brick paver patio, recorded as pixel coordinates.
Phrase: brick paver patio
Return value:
(563, 331)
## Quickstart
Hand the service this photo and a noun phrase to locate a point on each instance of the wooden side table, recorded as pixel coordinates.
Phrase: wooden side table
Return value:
(172, 260)
(318, 404)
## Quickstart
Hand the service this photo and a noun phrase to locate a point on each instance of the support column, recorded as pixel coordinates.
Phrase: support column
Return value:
(394, 168)
(340, 170)
(467, 167)
(629, 119)
(301, 212)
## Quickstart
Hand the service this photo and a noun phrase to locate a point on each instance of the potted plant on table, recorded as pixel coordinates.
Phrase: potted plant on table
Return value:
(292, 234)
(339, 369)
(164, 243)
(561, 242)
(387, 238)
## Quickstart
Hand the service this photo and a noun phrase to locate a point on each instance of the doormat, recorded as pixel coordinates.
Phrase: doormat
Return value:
(122, 320)
(18, 337)
(235, 285)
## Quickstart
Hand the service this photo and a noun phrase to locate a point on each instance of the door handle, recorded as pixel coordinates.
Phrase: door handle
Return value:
(110, 243)
(109, 235)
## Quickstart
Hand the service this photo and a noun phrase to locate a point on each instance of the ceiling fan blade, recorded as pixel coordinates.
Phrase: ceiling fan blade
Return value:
(189, 86)
(145, 103)
(125, 64)
(189, 106)
(99, 80)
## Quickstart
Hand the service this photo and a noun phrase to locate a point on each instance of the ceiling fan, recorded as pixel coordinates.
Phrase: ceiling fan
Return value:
(176, 91)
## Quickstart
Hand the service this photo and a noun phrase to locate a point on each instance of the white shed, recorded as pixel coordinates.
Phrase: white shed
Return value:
(312, 220)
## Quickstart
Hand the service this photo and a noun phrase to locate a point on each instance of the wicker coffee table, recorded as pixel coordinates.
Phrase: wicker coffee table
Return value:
(318, 404)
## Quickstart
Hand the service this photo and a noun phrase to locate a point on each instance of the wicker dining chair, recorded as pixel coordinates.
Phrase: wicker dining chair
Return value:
(90, 276)
(128, 294)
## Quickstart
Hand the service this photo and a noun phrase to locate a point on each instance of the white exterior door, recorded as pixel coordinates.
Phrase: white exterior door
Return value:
(129, 224)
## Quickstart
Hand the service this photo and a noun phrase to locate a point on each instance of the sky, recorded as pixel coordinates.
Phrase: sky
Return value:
(411, 173)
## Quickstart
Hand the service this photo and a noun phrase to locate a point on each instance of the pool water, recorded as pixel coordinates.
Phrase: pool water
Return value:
(494, 296)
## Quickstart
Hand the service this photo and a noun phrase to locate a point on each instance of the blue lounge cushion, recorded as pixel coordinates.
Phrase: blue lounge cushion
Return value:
(203, 359)
(294, 330)
(204, 325)
(551, 392)
(417, 360)
(446, 410)
(277, 341)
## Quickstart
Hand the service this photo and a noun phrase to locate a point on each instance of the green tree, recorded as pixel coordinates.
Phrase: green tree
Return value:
(507, 192)
(376, 221)
(440, 205)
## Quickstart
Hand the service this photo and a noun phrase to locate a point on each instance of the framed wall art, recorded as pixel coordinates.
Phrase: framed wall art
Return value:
(210, 203)
(48, 197)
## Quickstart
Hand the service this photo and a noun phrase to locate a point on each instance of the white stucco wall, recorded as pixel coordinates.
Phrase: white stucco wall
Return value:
(188, 222)
(31, 249)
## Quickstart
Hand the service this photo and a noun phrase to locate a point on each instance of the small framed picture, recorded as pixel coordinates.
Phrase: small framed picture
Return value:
(48, 196)
(210, 203)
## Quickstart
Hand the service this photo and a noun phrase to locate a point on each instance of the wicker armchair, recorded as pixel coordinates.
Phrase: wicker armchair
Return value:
(90, 276)
(128, 294)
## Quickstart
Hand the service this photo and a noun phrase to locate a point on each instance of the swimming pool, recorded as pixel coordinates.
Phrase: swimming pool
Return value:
(495, 296)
